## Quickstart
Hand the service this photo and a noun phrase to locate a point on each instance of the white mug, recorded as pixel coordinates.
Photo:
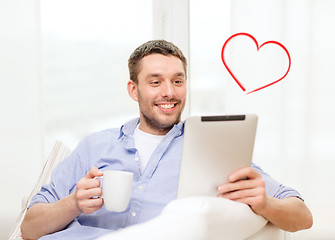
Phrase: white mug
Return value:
(116, 190)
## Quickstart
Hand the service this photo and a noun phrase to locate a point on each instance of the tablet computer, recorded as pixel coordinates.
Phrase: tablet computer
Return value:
(213, 148)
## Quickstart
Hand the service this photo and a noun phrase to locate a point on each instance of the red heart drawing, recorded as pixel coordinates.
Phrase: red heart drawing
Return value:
(258, 47)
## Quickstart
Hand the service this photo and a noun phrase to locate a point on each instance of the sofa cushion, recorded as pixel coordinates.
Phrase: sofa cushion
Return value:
(197, 218)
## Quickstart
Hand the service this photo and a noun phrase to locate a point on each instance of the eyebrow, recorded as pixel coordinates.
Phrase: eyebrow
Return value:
(154, 75)
(178, 74)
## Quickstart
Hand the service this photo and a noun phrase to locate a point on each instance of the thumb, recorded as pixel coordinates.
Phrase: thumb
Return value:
(94, 172)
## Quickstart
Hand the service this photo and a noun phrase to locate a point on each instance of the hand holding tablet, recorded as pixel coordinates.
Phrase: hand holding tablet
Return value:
(214, 147)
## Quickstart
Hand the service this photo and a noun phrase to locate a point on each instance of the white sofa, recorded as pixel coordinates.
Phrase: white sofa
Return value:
(196, 218)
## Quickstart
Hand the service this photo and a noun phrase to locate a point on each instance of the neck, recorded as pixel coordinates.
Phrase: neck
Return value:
(153, 131)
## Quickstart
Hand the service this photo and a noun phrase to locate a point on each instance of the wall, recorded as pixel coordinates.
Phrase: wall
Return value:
(21, 146)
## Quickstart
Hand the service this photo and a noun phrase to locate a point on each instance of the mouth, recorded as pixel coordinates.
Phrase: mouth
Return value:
(167, 107)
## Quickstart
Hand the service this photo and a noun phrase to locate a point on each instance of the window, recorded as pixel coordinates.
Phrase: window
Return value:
(86, 45)
(295, 135)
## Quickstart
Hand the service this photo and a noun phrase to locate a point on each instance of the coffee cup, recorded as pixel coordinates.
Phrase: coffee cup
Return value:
(116, 190)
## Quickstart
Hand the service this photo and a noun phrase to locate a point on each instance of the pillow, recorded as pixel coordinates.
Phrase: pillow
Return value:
(196, 218)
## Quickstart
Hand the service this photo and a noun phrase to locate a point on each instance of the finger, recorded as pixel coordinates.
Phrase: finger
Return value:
(85, 183)
(249, 201)
(239, 185)
(94, 172)
(89, 193)
(246, 193)
(90, 205)
(244, 173)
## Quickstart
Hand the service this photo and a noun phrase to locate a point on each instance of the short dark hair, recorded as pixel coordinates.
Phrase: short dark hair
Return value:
(151, 47)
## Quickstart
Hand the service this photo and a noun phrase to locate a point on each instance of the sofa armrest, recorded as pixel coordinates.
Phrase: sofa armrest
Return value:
(270, 232)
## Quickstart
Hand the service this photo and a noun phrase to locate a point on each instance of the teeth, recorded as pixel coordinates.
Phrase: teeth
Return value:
(166, 106)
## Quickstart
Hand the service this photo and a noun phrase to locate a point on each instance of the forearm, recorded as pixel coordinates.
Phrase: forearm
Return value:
(290, 214)
(45, 218)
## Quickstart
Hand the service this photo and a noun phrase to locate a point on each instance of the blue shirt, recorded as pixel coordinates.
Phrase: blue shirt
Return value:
(114, 149)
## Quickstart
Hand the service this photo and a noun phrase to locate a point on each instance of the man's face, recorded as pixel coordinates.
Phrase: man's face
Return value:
(160, 92)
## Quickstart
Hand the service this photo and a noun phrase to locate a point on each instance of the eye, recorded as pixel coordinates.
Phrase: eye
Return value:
(155, 82)
(178, 82)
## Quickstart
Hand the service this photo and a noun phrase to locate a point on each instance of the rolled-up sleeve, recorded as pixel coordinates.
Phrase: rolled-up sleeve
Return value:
(64, 177)
(275, 189)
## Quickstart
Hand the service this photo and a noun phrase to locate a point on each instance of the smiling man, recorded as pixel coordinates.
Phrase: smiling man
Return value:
(160, 90)
(150, 147)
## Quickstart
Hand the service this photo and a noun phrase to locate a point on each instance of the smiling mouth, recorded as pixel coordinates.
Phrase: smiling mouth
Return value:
(166, 106)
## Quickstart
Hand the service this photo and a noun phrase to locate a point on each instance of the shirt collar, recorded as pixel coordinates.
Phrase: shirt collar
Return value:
(129, 127)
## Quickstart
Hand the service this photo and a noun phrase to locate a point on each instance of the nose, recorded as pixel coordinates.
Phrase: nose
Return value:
(168, 90)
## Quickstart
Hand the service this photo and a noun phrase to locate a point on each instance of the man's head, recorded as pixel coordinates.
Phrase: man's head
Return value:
(158, 83)
(153, 47)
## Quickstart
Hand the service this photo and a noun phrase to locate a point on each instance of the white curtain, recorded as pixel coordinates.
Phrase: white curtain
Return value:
(296, 135)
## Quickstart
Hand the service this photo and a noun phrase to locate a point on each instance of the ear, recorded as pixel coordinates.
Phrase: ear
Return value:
(132, 90)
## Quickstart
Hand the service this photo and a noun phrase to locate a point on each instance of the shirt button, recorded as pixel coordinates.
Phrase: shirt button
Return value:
(133, 214)
(136, 159)
(140, 187)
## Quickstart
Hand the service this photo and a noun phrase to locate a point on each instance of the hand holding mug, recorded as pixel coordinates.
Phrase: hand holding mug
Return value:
(87, 189)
